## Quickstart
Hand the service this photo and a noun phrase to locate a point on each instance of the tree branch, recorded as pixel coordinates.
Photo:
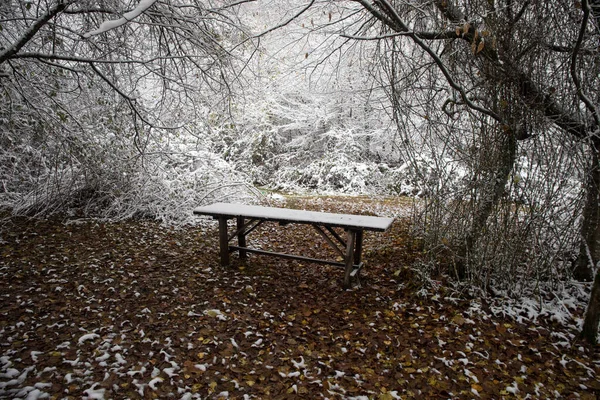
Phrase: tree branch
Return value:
(421, 35)
(588, 103)
(33, 29)
(537, 98)
(43, 56)
(382, 17)
(126, 18)
(569, 49)
(281, 25)
(530, 90)
(127, 98)
(521, 12)
(396, 23)
(451, 12)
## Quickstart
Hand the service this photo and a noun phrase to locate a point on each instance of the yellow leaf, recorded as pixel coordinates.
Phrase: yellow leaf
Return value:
(477, 387)
(480, 47)
(466, 28)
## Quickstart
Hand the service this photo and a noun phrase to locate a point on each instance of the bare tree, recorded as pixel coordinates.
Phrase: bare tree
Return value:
(87, 85)
(525, 69)
(161, 49)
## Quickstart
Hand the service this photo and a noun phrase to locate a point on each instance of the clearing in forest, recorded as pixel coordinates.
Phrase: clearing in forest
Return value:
(138, 310)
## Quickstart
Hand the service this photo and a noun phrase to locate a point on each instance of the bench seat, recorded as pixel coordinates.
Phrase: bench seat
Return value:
(323, 222)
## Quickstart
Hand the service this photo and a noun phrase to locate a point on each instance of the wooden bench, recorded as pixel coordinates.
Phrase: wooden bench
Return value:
(249, 218)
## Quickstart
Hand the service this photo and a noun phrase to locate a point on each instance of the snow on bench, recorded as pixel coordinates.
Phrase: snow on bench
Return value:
(324, 223)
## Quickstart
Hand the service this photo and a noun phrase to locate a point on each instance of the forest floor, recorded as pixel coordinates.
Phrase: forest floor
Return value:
(138, 310)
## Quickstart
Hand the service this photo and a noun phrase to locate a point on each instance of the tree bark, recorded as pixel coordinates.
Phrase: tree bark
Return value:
(589, 256)
(494, 190)
(590, 230)
(589, 332)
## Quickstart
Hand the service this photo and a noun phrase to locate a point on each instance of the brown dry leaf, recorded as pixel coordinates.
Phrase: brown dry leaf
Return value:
(458, 320)
(255, 299)
(500, 329)
(477, 387)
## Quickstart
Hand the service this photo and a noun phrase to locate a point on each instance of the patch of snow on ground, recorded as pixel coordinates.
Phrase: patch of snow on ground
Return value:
(88, 337)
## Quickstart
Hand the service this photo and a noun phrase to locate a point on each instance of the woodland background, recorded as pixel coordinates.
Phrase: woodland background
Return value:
(484, 111)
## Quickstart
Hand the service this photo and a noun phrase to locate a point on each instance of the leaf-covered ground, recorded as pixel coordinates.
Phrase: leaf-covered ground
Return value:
(135, 310)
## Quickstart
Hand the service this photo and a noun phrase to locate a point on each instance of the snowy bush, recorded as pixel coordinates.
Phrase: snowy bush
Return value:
(170, 192)
(98, 173)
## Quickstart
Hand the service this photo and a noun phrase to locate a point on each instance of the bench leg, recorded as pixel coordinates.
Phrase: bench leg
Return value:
(241, 237)
(358, 249)
(349, 258)
(223, 242)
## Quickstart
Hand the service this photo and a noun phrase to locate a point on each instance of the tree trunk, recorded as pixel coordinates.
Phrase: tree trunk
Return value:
(589, 256)
(494, 190)
(592, 316)
(589, 248)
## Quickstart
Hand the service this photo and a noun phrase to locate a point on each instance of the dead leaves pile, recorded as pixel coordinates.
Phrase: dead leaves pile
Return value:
(136, 310)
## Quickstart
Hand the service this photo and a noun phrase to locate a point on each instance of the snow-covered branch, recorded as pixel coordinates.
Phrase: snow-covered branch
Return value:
(127, 17)
(26, 36)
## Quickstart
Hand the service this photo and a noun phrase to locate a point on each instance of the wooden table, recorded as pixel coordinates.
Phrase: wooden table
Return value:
(249, 218)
